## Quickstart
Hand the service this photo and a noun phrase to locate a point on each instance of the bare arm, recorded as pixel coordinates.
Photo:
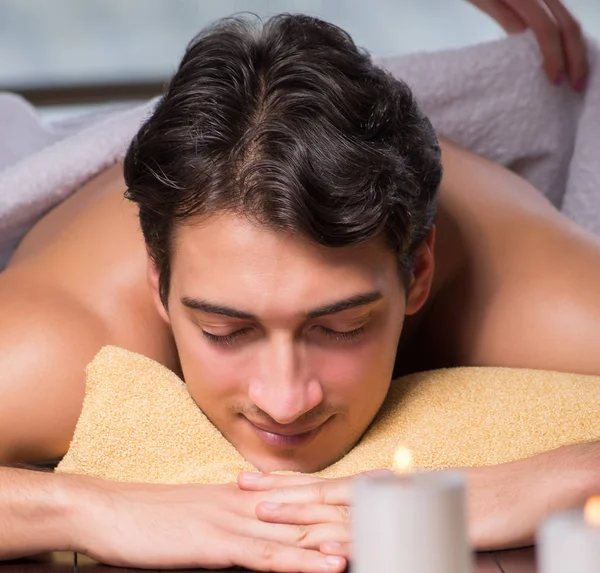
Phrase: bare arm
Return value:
(34, 513)
(507, 502)
(151, 526)
(536, 305)
(46, 339)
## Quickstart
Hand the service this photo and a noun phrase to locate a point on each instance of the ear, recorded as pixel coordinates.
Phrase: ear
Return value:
(152, 277)
(422, 275)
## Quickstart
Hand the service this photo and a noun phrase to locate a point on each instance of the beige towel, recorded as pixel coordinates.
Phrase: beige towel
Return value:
(140, 424)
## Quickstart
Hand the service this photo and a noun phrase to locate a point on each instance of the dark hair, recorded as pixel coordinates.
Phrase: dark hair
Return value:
(292, 125)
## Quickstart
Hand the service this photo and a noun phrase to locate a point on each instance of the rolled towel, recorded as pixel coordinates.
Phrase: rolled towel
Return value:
(140, 424)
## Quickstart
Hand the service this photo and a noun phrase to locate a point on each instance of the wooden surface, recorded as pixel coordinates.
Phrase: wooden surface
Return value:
(515, 561)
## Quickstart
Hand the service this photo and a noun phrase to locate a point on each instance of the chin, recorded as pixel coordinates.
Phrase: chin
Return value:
(291, 464)
(294, 460)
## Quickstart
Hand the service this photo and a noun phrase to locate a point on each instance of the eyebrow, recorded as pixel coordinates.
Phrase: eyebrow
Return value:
(355, 301)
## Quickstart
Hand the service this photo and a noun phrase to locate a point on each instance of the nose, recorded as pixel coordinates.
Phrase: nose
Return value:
(284, 389)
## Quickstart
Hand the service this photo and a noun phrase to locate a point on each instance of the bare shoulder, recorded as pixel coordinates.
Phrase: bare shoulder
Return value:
(76, 283)
(46, 340)
(528, 290)
(546, 314)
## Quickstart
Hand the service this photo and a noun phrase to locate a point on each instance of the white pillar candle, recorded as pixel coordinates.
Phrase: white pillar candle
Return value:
(413, 523)
(569, 541)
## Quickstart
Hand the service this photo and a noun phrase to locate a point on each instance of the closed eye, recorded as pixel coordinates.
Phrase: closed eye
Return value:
(341, 336)
(226, 340)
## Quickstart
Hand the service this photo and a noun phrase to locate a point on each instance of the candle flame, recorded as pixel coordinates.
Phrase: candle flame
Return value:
(592, 511)
(403, 460)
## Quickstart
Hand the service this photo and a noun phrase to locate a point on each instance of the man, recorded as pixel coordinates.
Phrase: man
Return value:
(287, 194)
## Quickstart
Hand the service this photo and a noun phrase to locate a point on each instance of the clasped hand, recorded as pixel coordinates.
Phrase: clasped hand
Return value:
(505, 503)
(295, 523)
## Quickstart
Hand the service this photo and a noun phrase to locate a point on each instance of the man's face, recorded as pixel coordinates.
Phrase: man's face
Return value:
(286, 346)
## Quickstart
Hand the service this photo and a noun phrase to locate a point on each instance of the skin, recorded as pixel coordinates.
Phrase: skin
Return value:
(72, 287)
(97, 289)
(283, 369)
(322, 507)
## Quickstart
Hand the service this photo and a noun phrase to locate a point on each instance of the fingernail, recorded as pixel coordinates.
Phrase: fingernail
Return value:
(271, 505)
(560, 78)
(331, 562)
(248, 476)
(580, 85)
(333, 545)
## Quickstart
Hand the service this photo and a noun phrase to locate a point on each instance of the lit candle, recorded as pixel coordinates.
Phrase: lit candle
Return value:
(410, 523)
(569, 541)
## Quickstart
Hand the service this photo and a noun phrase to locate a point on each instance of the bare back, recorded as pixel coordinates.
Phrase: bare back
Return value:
(516, 285)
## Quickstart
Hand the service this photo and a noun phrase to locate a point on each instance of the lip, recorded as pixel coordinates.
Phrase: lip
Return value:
(285, 440)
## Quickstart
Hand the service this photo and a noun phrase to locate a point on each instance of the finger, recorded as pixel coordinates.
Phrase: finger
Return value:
(302, 514)
(313, 536)
(260, 555)
(263, 482)
(241, 502)
(573, 43)
(325, 492)
(336, 548)
(305, 536)
(542, 22)
(506, 17)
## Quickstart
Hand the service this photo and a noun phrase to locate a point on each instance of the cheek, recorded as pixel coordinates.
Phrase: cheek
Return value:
(356, 370)
(210, 373)
(340, 367)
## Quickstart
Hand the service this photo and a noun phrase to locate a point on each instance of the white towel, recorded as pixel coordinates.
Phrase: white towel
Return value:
(491, 98)
(41, 165)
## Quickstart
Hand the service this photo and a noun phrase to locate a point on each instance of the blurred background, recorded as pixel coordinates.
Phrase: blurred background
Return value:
(68, 55)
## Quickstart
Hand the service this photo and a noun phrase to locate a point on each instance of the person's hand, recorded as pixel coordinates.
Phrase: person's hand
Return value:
(503, 507)
(308, 502)
(183, 526)
(506, 502)
(556, 30)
